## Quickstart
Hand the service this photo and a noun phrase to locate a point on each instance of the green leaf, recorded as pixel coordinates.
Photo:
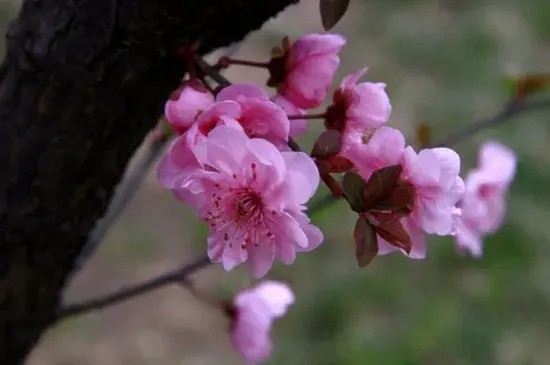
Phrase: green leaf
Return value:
(332, 11)
(354, 190)
(366, 242)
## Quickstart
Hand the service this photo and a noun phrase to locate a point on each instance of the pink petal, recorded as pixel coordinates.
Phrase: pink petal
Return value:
(166, 172)
(500, 162)
(278, 297)
(250, 335)
(233, 254)
(236, 91)
(386, 147)
(265, 119)
(313, 234)
(223, 149)
(384, 248)
(180, 154)
(449, 162)
(370, 104)
(269, 158)
(261, 258)
(303, 175)
(352, 79)
(285, 252)
(418, 239)
(210, 116)
(297, 126)
(468, 240)
(307, 85)
(289, 231)
(425, 170)
(316, 44)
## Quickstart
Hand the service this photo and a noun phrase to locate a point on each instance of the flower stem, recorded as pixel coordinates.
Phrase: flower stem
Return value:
(225, 62)
(308, 116)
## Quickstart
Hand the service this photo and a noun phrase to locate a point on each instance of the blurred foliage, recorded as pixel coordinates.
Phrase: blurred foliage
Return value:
(443, 62)
(446, 309)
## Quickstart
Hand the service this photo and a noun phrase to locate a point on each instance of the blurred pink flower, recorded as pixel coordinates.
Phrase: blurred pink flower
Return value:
(358, 109)
(253, 196)
(255, 310)
(433, 174)
(484, 205)
(305, 70)
(182, 109)
(297, 126)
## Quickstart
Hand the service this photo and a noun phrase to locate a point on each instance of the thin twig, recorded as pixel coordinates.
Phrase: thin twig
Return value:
(124, 194)
(129, 292)
(321, 203)
(212, 72)
(508, 111)
(173, 277)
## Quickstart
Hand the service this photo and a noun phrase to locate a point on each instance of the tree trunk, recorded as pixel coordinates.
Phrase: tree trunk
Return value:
(82, 83)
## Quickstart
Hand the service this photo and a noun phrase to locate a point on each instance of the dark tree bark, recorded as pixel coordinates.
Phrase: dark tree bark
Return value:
(82, 83)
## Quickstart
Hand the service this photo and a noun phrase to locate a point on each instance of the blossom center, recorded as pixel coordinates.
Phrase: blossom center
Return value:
(486, 190)
(248, 206)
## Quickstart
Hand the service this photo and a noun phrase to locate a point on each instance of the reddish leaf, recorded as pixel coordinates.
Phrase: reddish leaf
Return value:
(332, 11)
(532, 84)
(381, 185)
(339, 164)
(366, 241)
(354, 190)
(389, 227)
(424, 135)
(328, 144)
(401, 199)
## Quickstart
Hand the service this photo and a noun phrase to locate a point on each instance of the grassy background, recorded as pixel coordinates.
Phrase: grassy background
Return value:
(443, 62)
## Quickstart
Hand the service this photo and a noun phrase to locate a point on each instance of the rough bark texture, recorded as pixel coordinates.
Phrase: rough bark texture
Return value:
(82, 83)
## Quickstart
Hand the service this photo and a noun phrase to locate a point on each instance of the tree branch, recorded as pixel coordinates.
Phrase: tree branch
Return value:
(508, 111)
(124, 193)
(175, 276)
(78, 93)
(129, 292)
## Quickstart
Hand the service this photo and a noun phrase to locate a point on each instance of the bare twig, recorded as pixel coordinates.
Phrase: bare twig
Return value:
(173, 277)
(124, 194)
(130, 292)
(508, 111)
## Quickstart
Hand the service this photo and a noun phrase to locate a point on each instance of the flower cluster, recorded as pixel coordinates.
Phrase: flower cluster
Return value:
(234, 161)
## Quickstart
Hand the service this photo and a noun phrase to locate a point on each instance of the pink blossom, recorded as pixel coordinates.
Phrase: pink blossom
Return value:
(297, 126)
(432, 173)
(240, 104)
(358, 109)
(305, 71)
(484, 203)
(182, 110)
(255, 310)
(259, 116)
(252, 195)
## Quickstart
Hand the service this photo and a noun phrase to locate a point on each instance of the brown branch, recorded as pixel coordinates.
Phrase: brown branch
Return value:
(508, 111)
(172, 277)
(77, 96)
(124, 194)
(130, 292)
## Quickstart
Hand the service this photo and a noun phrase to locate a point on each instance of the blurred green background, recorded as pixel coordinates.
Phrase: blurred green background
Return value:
(444, 62)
